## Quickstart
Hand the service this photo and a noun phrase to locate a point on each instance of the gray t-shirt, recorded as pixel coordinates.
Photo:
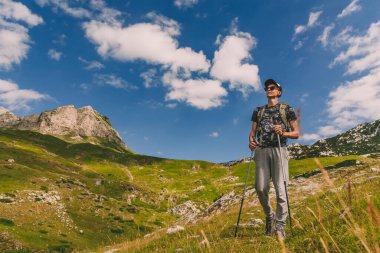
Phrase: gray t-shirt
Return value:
(265, 134)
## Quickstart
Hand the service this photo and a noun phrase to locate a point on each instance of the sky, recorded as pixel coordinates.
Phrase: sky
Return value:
(180, 78)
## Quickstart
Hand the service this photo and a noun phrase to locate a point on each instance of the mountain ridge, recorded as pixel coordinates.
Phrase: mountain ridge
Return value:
(74, 124)
(361, 139)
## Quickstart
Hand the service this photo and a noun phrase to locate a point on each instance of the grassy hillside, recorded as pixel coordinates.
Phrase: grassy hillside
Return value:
(342, 217)
(59, 196)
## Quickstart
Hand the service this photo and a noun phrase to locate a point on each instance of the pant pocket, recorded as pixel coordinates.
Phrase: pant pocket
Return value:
(287, 154)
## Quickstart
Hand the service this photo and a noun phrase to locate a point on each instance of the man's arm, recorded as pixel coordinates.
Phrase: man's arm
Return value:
(294, 134)
(252, 140)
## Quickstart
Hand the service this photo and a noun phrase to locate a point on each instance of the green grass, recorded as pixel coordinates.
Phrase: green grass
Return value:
(126, 205)
(315, 219)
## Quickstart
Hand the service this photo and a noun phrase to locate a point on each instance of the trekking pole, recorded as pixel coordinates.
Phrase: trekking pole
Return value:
(286, 190)
(242, 199)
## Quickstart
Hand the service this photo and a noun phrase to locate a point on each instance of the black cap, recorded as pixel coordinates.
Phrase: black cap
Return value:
(271, 81)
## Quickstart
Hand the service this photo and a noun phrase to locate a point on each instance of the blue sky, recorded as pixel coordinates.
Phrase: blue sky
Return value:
(180, 78)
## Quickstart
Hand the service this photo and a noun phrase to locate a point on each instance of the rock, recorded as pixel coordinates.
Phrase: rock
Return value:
(227, 200)
(229, 179)
(11, 160)
(196, 167)
(232, 163)
(203, 242)
(199, 188)
(175, 229)
(178, 250)
(253, 223)
(188, 211)
(374, 169)
(98, 181)
(66, 121)
(81, 232)
(111, 250)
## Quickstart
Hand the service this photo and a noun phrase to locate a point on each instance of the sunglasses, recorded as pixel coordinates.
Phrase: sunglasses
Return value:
(270, 88)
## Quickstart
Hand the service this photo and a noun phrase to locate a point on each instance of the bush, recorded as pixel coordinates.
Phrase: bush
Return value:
(6, 201)
(60, 248)
(6, 222)
(117, 230)
(44, 188)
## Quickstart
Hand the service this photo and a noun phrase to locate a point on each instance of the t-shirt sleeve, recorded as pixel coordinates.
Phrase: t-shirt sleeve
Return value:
(254, 115)
(290, 114)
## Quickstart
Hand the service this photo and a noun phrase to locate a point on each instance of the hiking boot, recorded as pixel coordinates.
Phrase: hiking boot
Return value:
(269, 224)
(280, 232)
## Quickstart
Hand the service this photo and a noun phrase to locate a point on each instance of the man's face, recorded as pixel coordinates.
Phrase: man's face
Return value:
(272, 91)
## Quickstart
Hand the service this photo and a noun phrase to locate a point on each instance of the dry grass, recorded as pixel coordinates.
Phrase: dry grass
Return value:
(333, 221)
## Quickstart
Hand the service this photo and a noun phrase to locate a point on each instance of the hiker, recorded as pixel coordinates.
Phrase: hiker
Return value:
(268, 121)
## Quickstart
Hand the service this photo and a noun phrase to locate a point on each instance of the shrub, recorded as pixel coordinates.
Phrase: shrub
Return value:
(6, 222)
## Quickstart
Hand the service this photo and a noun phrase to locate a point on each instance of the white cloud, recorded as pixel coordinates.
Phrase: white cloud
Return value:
(201, 93)
(310, 137)
(229, 63)
(299, 29)
(235, 121)
(152, 43)
(313, 21)
(341, 39)
(324, 37)
(14, 38)
(363, 52)
(91, 65)
(358, 100)
(168, 25)
(107, 15)
(18, 12)
(183, 4)
(85, 86)
(351, 8)
(149, 77)
(54, 54)
(60, 40)
(113, 81)
(328, 130)
(171, 105)
(14, 98)
(298, 45)
(14, 44)
(214, 135)
(94, 9)
(77, 12)
(304, 98)
(313, 18)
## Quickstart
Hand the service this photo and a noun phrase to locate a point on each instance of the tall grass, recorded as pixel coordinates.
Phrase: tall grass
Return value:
(343, 217)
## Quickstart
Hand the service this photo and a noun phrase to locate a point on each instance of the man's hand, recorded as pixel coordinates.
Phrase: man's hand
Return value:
(278, 129)
(253, 144)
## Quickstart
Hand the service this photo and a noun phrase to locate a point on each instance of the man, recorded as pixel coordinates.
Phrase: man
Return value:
(268, 121)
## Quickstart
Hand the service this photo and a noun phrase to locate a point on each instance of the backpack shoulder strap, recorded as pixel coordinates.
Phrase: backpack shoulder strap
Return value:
(260, 114)
(283, 114)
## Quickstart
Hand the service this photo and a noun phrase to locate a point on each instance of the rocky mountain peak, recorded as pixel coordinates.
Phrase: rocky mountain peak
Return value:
(3, 110)
(79, 124)
(362, 139)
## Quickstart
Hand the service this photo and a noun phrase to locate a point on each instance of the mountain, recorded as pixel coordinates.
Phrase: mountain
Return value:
(75, 125)
(362, 139)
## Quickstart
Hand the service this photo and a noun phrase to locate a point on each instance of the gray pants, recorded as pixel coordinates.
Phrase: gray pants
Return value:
(268, 165)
